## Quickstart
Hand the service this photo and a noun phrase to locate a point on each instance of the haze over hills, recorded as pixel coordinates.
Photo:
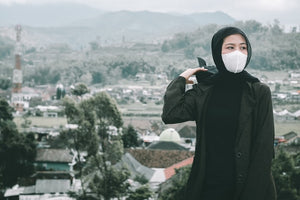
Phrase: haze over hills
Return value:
(78, 24)
(50, 15)
(68, 14)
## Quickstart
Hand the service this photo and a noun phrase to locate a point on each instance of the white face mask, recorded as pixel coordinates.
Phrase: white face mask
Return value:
(234, 62)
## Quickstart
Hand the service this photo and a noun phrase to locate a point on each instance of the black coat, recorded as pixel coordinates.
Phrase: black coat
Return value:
(254, 145)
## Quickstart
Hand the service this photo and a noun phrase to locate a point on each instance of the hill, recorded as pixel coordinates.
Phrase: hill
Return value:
(77, 25)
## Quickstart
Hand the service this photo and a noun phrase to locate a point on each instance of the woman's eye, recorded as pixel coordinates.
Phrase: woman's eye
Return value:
(243, 48)
(230, 47)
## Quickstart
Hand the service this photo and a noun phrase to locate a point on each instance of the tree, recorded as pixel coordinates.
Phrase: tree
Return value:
(35, 101)
(94, 45)
(98, 133)
(285, 174)
(17, 151)
(111, 149)
(6, 47)
(130, 137)
(44, 75)
(174, 188)
(141, 193)
(80, 89)
(60, 91)
(83, 138)
(98, 77)
(5, 83)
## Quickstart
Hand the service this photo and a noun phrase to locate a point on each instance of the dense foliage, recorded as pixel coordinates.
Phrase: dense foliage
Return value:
(273, 49)
(174, 188)
(98, 120)
(17, 150)
(286, 173)
(130, 137)
(6, 47)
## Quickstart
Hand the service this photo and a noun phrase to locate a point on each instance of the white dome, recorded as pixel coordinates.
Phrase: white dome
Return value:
(169, 135)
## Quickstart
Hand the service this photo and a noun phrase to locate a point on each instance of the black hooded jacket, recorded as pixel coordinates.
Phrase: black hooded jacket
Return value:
(247, 151)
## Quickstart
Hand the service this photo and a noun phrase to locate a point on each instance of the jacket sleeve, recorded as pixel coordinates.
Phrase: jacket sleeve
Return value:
(259, 181)
(178, 105)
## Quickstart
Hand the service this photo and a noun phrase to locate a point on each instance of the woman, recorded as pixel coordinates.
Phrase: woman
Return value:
(235, 128)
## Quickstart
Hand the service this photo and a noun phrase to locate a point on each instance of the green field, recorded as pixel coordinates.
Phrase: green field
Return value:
(285, 127)
(42, 121)
(139, 109)
(280, 127)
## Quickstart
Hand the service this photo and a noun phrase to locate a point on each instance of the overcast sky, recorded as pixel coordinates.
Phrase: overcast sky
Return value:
(265, 11)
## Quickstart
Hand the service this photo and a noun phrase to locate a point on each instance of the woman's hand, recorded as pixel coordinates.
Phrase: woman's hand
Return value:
(189, 72)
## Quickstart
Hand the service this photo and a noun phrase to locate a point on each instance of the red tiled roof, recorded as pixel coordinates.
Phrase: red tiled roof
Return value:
(170, 171)
(159, 158)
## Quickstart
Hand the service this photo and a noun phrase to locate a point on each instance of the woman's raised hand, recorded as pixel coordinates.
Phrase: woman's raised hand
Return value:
(189, 72)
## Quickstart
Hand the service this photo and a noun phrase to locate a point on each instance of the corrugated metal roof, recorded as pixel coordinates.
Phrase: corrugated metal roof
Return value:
(135, 167)
(13, 192)
(53, 155)
(52, 186)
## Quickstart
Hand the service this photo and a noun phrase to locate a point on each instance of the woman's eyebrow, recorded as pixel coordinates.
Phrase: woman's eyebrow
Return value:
(243, 43)
(230, 44)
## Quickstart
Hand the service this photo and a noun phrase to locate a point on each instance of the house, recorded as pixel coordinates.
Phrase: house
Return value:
(135, 167)
(285, 115)
(163, 156)
(47, 186)
(49, 111)
(286, 138)
(54, 159)
(162, 162)
(52, 181)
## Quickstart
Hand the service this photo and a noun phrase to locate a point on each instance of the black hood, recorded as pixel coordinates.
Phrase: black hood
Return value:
(211, 76)
(216, 46)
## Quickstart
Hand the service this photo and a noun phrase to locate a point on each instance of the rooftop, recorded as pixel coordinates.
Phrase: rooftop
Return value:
(53, 155)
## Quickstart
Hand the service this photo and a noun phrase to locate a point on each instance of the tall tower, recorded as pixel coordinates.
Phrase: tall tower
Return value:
(17, 97)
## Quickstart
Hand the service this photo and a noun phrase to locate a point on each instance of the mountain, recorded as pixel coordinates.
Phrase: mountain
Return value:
(154, 21)
(69, 14)
(77, 25)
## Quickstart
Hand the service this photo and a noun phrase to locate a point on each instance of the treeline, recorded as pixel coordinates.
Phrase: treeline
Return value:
(104, 71)
(6, 47)
(273, 49)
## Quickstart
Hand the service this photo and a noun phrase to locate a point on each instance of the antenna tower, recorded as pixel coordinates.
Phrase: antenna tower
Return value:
(17, 97)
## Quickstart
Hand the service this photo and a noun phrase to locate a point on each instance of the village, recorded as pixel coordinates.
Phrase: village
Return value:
(162, 150)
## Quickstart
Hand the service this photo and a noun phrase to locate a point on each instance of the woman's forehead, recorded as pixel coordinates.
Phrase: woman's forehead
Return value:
(234, 38)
